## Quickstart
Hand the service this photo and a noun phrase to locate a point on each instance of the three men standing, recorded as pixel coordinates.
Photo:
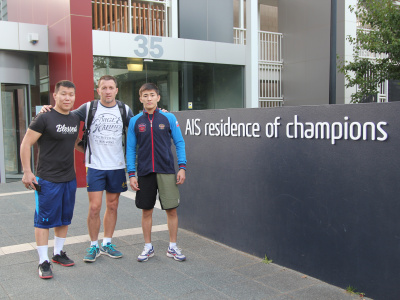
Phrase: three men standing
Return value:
(57, 133)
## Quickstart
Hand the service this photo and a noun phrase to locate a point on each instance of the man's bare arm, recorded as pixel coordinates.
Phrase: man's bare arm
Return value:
(79, 147)
(29, 140)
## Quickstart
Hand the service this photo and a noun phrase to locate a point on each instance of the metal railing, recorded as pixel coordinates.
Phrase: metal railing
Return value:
(371, 55)
(147, 17)
(270, 85)
(239, 36)
(270, 46)
(367, 54)
(270, 81)
(383, 89)
(270, 103)
(270, 63)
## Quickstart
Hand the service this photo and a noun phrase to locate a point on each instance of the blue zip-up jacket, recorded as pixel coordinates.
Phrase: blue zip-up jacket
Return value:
(152, 134)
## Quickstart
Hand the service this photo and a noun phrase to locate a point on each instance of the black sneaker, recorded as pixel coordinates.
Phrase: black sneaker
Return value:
(63, 259)
(45, 270)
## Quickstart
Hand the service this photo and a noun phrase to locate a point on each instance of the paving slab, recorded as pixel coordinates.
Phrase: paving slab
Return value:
(212, 270)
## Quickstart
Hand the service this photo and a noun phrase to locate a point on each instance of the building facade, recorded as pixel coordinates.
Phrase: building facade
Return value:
(209, 54)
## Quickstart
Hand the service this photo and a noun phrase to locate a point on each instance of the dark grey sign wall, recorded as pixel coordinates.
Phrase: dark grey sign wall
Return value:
(326, 207)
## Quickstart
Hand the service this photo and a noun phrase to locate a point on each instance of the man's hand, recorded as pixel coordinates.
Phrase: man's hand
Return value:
(46, 108)
(79, 147)
(133, 183)
(180, 178)
(28, 180)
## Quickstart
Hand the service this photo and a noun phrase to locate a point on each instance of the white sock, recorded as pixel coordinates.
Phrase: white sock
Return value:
(43, 255)
(172, 245)
(106, 241)
(94, 243)
(148, 245)
(58, 244)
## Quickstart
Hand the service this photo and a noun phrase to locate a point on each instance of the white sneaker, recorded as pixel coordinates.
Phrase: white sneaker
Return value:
(176, 253)
(146, 254)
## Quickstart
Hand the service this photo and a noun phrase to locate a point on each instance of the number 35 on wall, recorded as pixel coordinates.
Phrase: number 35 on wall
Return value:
(146, 47)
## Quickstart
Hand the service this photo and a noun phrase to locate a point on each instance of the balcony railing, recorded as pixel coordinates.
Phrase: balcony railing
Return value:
(383, 88)
(270, 69)
(270, 64)
(139, 17)
(270, 85)
(239, 36)
(270, 47)
(367, 54)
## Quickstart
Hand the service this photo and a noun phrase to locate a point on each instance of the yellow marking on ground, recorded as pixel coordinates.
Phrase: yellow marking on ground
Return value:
(78, 239)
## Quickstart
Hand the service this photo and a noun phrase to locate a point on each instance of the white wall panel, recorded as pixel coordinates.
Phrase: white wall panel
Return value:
(101, 43)
(200, 51)
(41, 31)
(122, 44)
(230, 54)
(174, 49)
(9, 35)
(15, 36)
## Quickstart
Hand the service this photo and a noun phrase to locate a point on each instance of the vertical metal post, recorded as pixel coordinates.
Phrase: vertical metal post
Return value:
(252, 66)
(332, 63)
(130, 16)
(241, 15)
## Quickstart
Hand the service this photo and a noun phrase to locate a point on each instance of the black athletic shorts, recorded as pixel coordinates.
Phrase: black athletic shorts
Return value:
(166, 186)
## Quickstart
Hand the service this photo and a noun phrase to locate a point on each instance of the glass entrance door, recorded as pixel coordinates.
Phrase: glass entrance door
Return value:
(14, 117)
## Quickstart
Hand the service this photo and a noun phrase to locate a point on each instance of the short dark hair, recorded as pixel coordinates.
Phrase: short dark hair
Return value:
(64, 83)
(148, 87)
(107, 77)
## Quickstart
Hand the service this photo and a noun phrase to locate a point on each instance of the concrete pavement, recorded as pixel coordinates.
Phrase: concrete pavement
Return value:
(212, 270)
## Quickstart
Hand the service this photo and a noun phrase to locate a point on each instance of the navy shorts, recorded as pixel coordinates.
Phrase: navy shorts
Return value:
(54, 203)
(113, 181)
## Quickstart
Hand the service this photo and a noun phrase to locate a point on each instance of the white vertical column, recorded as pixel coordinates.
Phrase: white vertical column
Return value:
(174, 18)
(251, 54)
(241, 14)
(350, 28)
(2, 160)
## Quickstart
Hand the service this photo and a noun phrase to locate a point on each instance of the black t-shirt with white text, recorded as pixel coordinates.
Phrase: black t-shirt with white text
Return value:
(56, 145)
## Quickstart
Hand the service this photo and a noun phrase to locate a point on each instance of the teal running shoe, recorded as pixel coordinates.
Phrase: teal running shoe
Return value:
(110, 251)
(92, 253)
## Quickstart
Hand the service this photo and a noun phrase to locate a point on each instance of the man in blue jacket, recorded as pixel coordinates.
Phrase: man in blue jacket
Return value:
(152, 131)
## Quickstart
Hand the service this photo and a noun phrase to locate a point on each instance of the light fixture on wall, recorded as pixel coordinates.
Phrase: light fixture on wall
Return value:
(33, 38)
(135, 64)
(135, 67)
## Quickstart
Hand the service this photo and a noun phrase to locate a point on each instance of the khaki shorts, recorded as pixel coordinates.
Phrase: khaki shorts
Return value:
(166, 186)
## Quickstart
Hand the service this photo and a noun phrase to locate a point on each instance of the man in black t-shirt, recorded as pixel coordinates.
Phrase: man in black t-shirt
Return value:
(55, 183)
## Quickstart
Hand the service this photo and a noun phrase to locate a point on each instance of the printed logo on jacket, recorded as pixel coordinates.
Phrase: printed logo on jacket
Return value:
(142, 127)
